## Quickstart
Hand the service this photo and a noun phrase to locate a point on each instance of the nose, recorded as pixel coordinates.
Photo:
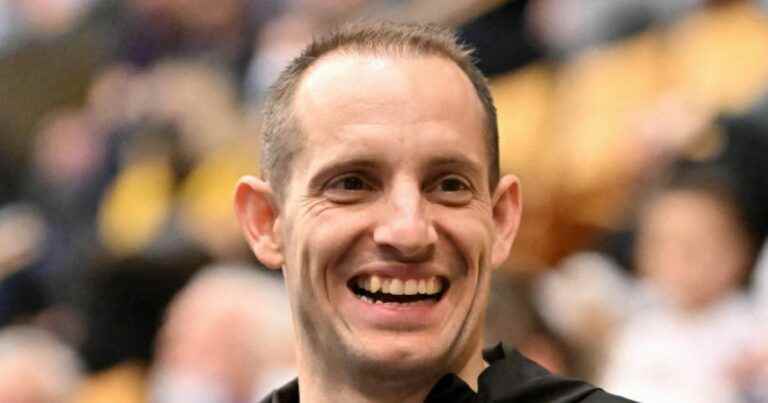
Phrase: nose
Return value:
(405, 227)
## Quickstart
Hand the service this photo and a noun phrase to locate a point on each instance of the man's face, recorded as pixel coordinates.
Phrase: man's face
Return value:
(387, 225)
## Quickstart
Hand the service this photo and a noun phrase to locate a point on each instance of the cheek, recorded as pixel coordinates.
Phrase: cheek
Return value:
(472, 236)
(317, 245)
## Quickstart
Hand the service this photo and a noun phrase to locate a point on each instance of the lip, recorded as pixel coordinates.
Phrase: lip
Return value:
(390, 316)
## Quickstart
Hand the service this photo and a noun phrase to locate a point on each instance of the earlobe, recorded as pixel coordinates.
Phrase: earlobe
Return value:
(507, 210)
(259, 219)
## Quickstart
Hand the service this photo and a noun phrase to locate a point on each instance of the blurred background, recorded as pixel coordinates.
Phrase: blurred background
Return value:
(639, 130)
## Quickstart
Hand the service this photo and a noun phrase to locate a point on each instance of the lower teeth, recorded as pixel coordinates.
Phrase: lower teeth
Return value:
(378, 301)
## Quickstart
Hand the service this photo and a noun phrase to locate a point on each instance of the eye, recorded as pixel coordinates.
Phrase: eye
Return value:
(452, 184)
(350, 183)
(347, 188)
(451, 190)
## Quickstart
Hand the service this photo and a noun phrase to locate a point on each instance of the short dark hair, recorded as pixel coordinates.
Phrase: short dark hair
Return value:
(280, 129)
(718, 183)
(714, 181)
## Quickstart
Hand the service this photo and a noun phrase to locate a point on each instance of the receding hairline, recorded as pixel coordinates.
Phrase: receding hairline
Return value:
(365, 55)
(298, 136)
(392, 40)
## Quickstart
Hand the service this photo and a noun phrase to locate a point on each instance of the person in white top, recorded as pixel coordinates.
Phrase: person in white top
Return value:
(694, 251)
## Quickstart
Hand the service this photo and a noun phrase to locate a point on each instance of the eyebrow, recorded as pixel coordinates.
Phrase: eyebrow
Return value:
(370, 163)
(457, 161)
(362, 163)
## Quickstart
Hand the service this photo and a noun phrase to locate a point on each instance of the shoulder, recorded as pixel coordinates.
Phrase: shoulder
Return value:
(289, 393)
(511, 377)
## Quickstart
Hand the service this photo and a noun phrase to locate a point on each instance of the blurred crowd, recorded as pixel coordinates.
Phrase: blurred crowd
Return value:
(639, 130)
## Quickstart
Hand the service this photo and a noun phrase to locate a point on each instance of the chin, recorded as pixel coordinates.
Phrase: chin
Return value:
(400, 357)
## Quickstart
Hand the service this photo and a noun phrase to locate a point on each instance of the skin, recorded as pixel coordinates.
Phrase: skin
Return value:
(692, 247)
(212, 339)
(392, 180)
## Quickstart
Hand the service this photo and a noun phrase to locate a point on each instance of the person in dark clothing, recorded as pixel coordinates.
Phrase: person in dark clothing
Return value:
(511, 378)
(382, 203)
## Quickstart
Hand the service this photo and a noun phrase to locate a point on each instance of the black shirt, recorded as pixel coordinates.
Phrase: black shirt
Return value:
(510, 378)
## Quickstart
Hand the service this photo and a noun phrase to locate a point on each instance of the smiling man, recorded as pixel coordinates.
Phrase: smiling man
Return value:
(382, 203)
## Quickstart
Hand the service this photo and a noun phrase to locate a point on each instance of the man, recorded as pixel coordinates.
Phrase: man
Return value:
(382, 203)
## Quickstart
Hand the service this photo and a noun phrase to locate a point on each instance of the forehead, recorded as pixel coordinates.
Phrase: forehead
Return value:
(357, 81)
(421, 102)
(689, 211)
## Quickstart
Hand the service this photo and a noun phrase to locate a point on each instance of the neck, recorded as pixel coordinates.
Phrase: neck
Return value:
(325, 385)
(318, 391)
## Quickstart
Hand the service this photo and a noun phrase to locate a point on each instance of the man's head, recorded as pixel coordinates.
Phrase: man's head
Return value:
(282, 137)
(391, 217)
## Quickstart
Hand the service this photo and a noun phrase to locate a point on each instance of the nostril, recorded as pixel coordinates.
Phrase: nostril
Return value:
(408, 239)
(407, 255)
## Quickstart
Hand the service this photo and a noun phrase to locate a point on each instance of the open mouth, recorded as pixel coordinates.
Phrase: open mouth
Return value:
(382, 290)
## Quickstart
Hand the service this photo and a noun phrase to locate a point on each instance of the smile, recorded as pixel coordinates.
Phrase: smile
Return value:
(377, 289)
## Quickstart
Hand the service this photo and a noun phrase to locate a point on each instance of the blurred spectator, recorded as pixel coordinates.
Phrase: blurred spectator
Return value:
(761, 280)
(750, 371)
(7, 21)
(23, 231)
(68, 158)
(23, 297)
(124, 300)
(65, 183)
(278, 43)
(178, 153)
(26, 293)
(328, 13)
(21, 20)
(585, 300)
(694, 251)
(736, 144)
(570, 26)
(502, 38)
(226, 339)
(220, 34)
(50, 17)
(205, 202)
(36, 368)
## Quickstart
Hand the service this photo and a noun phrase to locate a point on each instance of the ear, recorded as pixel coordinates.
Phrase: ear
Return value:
(507, 210)
(259, 219)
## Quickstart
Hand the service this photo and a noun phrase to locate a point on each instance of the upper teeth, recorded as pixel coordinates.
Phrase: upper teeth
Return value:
(396, 286)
